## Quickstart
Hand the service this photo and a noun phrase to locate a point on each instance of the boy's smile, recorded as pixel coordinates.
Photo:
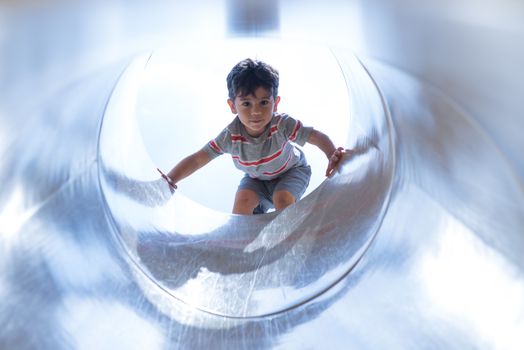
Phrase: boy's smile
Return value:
(255, 112)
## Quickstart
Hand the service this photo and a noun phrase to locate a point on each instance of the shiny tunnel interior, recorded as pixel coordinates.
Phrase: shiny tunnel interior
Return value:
(416, 242)
(161, 232)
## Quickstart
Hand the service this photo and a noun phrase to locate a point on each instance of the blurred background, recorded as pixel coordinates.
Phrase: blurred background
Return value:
(447, 258)
(471, 50)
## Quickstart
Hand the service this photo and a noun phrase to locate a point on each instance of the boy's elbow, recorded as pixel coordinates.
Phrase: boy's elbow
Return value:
(313, 137)
(316, 137)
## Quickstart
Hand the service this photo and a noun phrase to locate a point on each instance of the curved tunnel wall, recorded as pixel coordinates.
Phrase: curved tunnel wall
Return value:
(160, 233)
(452, 214)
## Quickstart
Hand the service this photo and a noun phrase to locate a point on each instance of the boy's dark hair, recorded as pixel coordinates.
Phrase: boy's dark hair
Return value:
(248, 75)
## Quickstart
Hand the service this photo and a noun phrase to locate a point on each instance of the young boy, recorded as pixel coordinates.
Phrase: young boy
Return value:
(259, 141)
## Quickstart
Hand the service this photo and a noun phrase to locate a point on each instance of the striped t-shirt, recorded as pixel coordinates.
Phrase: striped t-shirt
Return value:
(267, 156)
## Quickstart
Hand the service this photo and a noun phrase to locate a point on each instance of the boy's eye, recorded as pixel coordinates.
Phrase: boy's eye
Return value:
(264, 102)
(245, 104)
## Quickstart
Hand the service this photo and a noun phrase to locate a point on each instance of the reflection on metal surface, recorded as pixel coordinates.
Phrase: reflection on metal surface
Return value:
(279, 259)
(416, 243)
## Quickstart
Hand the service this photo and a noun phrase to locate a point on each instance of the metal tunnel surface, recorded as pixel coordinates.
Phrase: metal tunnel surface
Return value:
(416, 243)
(247, 266)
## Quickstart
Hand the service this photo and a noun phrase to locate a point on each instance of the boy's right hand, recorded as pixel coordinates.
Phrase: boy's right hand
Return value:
(172, 185)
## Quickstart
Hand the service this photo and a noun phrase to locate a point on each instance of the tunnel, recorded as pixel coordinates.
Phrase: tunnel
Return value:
(415, 242)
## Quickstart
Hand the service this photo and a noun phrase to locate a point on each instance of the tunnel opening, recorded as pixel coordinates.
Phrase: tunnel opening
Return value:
(231, 265)
(181, 105)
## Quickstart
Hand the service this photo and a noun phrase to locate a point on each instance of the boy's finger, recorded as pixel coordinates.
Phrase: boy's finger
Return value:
(330, 170)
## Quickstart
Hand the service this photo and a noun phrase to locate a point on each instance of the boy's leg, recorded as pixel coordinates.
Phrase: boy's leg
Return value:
(258, 187)
(291, 186)
(283, 199)
(245, 201)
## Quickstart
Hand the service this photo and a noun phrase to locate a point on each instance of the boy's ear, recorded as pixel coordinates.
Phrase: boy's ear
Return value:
(232, 106)
(277, 100)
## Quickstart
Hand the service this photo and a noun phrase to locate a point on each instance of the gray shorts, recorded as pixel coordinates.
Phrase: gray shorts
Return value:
(295, 181)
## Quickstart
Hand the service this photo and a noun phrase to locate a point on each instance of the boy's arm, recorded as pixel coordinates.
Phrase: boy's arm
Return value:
(188, 166)
(325, 144)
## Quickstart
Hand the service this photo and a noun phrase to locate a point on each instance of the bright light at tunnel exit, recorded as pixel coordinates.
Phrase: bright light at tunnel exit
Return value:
(181, 105)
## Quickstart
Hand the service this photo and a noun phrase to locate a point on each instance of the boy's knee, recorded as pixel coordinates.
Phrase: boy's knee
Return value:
(283, 199)
(247, 196)
(245, 202)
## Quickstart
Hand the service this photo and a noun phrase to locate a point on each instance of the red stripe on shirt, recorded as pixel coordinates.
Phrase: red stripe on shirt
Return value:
(294, 134)
(274, 127)
(281, 169)
(238, 138)
(273, 130)
(215, 147)
(262, 160)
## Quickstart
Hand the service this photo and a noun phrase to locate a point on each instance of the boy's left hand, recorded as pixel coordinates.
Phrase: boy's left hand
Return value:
(334, 159)
(172, 186)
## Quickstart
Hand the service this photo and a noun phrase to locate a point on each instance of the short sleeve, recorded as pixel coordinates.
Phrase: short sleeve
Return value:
(294, 130)
(219, 145)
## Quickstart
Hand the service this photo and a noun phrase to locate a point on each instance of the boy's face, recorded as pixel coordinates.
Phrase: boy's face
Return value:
(255, 112)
